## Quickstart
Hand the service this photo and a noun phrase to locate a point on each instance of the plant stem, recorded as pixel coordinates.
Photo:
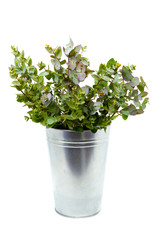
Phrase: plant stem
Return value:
(25, 95)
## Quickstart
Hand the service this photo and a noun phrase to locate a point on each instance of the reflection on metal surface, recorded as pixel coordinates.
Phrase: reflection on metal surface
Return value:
(78, 167)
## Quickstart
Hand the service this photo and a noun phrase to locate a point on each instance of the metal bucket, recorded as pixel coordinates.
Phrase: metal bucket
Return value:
(78, 167)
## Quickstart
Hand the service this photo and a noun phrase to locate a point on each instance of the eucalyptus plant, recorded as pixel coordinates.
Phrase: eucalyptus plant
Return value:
(55, 98)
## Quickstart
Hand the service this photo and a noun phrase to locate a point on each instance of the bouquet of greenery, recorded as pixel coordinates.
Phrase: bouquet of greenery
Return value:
(56, 100)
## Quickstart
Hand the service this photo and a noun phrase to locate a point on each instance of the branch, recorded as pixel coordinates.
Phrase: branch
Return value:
(25, 95)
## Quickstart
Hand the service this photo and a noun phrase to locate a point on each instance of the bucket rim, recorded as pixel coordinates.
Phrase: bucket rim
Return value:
(73, 131)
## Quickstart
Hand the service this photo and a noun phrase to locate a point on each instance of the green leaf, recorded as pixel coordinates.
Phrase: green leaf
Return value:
(110, 71)
(94, 130)
(26, 118)
(125, 112)
(146, 100)
(96, 77)
(134, 112)
(15, 52)
(111, 63)
(41, 65)
(132, 67)
(134, 81)
(51, 120)
(84, 48)
(35, 71)
(140, 87)
(69, 47)
(80, 67)
(75, 51)
(77, 48)
(124, 105)
(124, 116)
(22, 54)
(58, 52)
(131, 108)
(143, 106)
(31, 69)
(24, 67)
(98, 104)
(136, 101)
(63, 62)
(134, 93)
(116, 89)
(85, 62)
(126, 74)
(137, 111)
(71, 104)
(143, 94)
(56, 64)
(75, 80)
(128, 86)
(81, 76)
(105, 78)
(30, 62)
(16, 83)
(49, 49)
(104, 91)
(140, 111)
(72, 63)
(86, 90)
(143, 82)
(102, 69)
(66, 116)
(56, 78)
(116, 79)
(43, 74)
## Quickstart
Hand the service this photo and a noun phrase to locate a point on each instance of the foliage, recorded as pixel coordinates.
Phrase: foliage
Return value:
(54, 96)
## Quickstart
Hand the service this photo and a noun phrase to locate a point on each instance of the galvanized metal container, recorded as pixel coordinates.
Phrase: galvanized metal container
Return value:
(78, 167)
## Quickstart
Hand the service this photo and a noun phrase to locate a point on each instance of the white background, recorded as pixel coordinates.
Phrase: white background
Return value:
(129, 32)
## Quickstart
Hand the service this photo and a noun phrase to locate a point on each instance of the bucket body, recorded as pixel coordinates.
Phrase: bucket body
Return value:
(78, 162)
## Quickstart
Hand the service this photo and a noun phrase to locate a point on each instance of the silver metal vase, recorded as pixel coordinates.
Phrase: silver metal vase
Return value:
(78, 162)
